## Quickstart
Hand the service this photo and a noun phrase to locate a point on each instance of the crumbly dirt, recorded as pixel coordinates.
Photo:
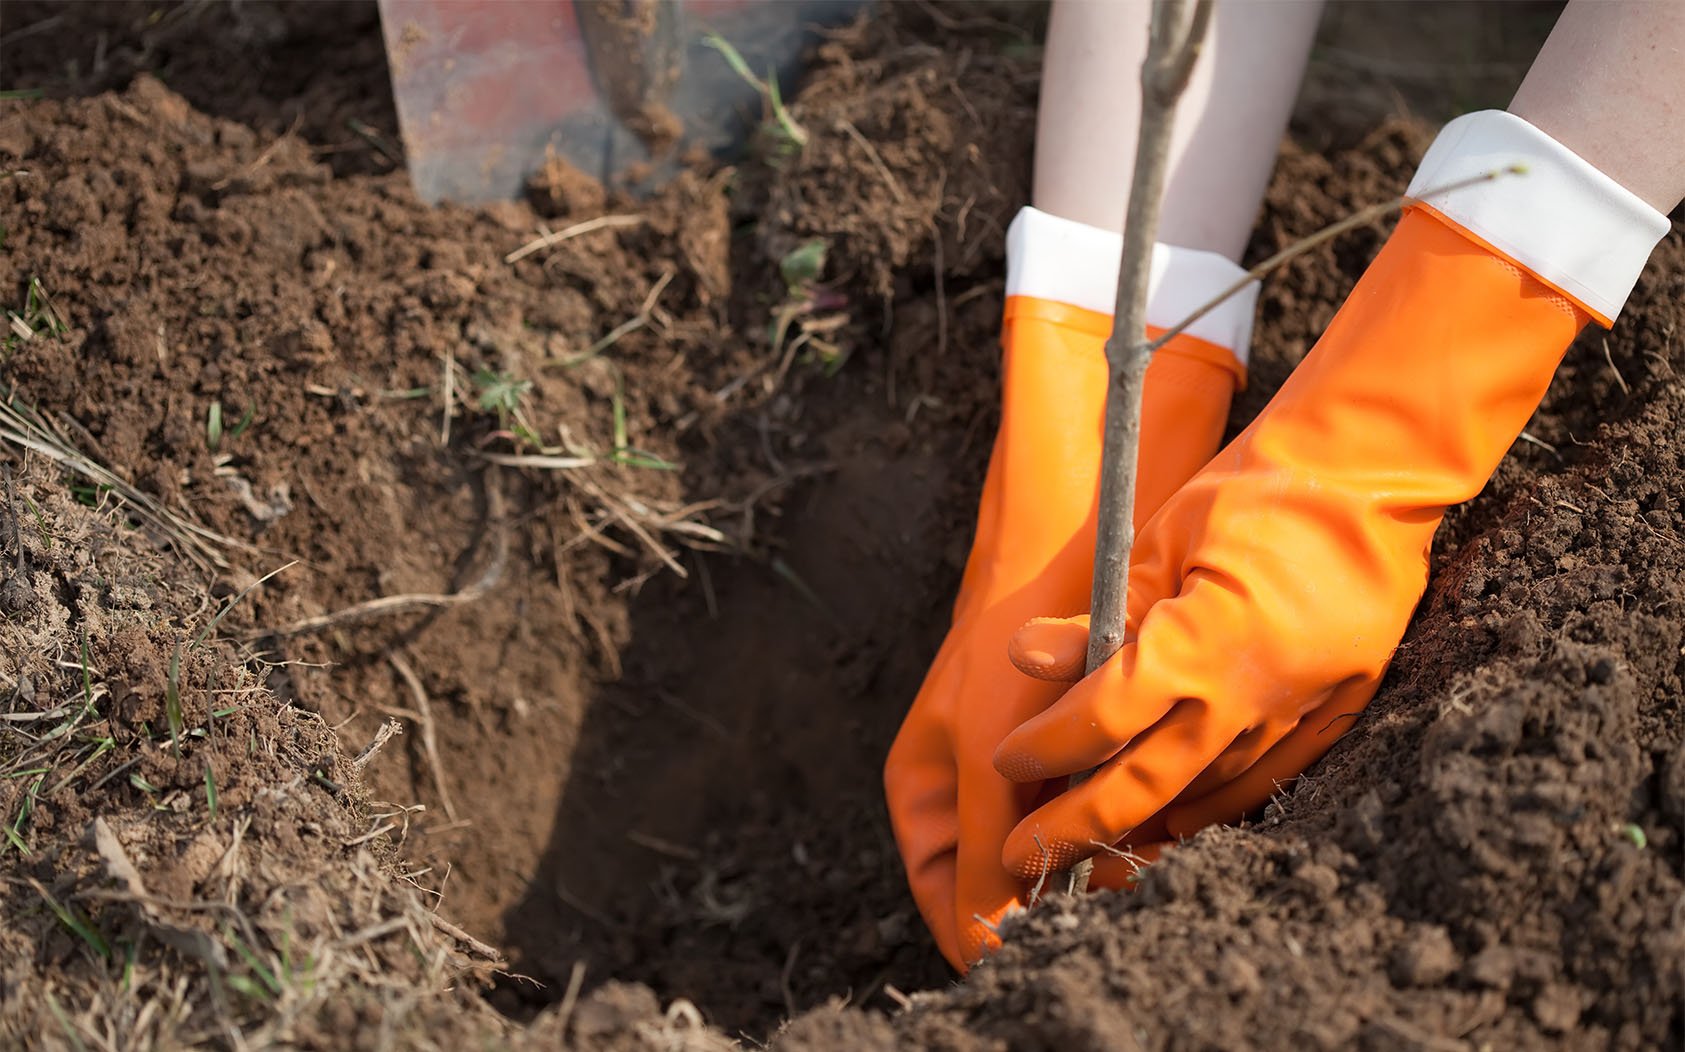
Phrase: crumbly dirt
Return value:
(645, 695)
(176, 880)
(259, 63)
(606, 785)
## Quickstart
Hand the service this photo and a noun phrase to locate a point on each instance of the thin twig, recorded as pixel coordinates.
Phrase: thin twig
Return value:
(1362, 217)
(1174, 46)
(385, 605)
(902, 1001)
(576, 980)
(387, 730)
(625, 328)
(784, 979)
(384, 827)
(877, 162)
(1533, 439)
(1041, 878)
(629, 519)
(486, 950)
(370, 135)
(663, 847)
(1618, 377)
(449, 397)
(539, 244)
(429, 740)
(263, 158)
(540, 461)
(397, 604)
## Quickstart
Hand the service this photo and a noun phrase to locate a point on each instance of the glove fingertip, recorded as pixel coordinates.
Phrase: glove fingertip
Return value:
(1050, 648)
(1034, 856)
(1016, 765)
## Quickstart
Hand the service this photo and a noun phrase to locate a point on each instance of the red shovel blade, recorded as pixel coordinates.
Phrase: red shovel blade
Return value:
(485, 89)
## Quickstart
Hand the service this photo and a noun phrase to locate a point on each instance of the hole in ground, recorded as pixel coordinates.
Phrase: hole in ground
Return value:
(721, 833)
(704, 813)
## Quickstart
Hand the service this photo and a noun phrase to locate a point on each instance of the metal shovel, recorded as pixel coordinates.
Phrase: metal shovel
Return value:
(623, 89)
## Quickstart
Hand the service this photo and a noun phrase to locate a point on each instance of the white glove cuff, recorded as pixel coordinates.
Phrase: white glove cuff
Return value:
(1068, 262)
(1571, 226)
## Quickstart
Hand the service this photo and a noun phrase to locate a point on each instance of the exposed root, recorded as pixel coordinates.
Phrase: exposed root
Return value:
(423, 718)
(385, 606)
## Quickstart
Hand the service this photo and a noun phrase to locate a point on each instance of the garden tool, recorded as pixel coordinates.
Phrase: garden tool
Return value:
(625, 90)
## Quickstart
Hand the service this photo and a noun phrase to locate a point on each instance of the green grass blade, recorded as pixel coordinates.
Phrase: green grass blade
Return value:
(172, 699)
(213, 427)
(734, 59)
(619, 409)
(796, 132)
(232, 603)
(242, 985)
(254, 963)
(245, 422)
(74, 921)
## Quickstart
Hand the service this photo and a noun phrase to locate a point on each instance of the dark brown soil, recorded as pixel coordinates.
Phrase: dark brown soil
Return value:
(673, 781)
(258, 62)
(632, 761)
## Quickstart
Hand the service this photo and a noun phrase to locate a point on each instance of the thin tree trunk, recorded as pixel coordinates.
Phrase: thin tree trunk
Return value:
(1174, 46)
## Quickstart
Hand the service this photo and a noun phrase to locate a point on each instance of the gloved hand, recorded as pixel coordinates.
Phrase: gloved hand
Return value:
(1034, 547)
(1267, 595)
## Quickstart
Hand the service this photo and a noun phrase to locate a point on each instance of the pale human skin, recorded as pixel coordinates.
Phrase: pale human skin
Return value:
(1229, 122)
(1609, 84)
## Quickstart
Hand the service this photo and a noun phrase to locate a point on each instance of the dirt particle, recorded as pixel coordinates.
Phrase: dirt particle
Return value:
(1493, 967)
(17, 596)
(1557, 1008)
(559, 188)
(1425, 958)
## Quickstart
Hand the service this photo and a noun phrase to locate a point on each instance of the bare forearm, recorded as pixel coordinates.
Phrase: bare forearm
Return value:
(1228, 126)
(1609, 84)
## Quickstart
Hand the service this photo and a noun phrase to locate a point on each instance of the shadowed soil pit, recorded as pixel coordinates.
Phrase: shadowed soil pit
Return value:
(645, 686)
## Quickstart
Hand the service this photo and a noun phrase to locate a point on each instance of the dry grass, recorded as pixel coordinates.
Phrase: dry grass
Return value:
(24, 429)
(187, 862)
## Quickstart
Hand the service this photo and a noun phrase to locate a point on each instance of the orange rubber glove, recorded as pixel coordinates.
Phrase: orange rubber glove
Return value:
(1034, 547)
(1267, 595)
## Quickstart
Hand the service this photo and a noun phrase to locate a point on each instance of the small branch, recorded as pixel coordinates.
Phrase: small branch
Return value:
(576, 980)
(549, 240)
(429, 738)
(387, 730)
(877, 162)
(1362, 217)
(625, 328)
(1176, 40)
(388, 605)
(384, 606)
(482, 949)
